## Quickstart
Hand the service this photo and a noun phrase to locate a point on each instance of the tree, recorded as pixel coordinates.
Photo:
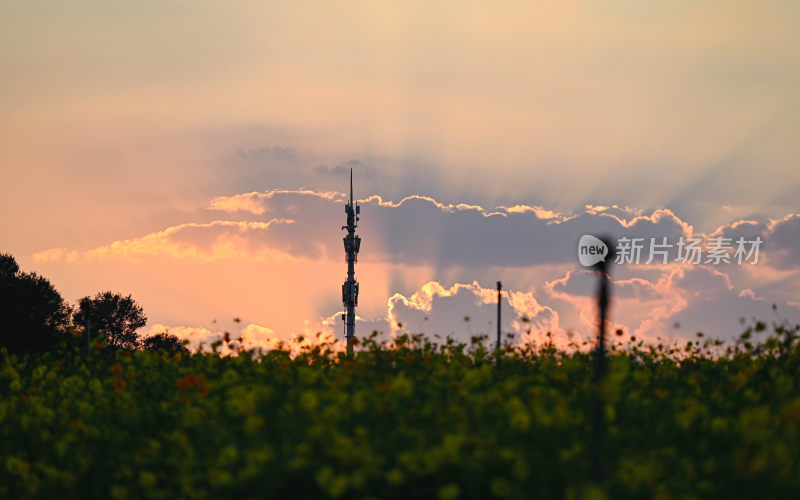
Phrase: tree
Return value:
(112, 317)
(164, 341)
(33, 316)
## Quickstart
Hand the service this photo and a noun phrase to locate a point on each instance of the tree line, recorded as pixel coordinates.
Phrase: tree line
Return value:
(35, 318)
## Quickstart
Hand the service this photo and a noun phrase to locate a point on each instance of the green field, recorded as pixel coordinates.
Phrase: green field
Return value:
(416, 421)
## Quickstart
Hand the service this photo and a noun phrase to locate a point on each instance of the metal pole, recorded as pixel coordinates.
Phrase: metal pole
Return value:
(499, 288)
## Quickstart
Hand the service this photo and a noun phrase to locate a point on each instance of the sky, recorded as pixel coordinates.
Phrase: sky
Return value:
(195, 155)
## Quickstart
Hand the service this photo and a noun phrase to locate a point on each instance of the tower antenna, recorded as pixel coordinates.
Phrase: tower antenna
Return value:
(352, 244)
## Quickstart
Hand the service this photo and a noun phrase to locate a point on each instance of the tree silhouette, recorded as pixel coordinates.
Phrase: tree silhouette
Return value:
(164, 341)
(112, 317)
(33, 316)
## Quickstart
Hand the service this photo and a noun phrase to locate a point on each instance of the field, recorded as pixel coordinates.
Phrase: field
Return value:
(415, 421)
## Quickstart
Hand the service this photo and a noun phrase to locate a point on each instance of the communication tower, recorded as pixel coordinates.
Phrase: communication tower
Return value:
(352, 244)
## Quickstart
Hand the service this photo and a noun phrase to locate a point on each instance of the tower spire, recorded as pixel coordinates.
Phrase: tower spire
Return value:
(352, 244)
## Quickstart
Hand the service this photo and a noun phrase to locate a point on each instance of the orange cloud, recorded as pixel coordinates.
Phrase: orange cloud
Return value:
(229, 244)
(253, 202)
(55, 255)
(540, 212)
(248, 202)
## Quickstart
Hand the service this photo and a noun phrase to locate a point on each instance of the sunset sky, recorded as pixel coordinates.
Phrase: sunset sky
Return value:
(195, 154)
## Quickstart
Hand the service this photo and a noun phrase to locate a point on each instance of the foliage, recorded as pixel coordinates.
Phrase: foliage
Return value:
(415, 421)
(33, 316)
(164, 341)
(114, 317)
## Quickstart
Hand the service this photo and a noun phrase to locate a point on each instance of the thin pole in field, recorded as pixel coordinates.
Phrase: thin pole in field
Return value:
(499, 295)
(598, 400)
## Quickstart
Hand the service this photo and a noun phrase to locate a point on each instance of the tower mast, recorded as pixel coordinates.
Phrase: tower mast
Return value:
(352, 244)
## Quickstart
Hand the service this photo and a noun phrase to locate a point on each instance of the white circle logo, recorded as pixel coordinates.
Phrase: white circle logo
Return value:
(591, 250)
